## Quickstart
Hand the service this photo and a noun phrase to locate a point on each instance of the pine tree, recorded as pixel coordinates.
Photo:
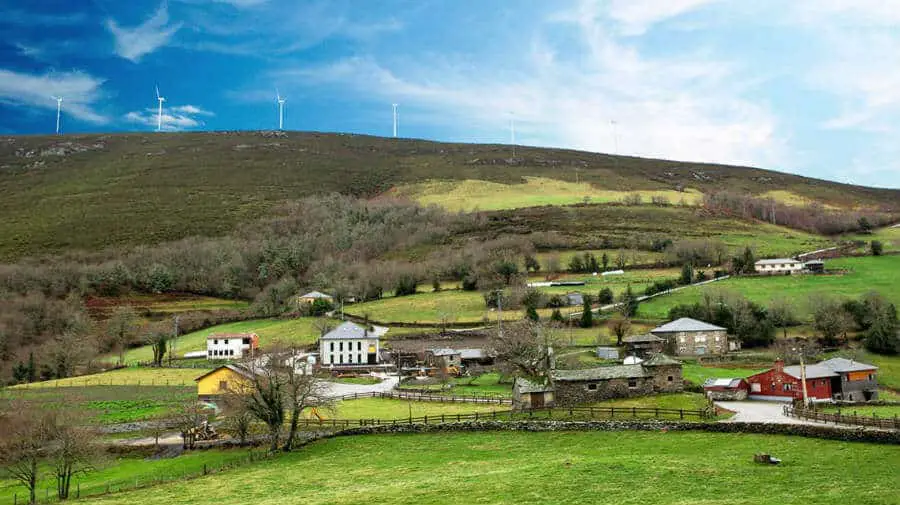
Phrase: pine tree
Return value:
(531, 313)
(556, 316)
(587, 317)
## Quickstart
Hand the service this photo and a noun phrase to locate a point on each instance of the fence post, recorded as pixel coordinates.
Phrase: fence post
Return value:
(681, 412)
(78, 490)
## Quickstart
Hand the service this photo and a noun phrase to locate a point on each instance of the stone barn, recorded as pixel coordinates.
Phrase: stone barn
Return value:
(659, 374)
(690, 337)
(643, 346)
(726, 389)
(532, 395)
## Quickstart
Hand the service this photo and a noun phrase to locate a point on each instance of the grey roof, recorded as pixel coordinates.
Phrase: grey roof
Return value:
(238, 369)
(315, 294)
(443, 352)
(727, 383)
(777, 261)
(600, 373)
(472, 353)
(635, 339)
(660, 359)
(816, 371)
(575, 298)
(686, 324)
(348, 330)
(847, 365)
(526, 386)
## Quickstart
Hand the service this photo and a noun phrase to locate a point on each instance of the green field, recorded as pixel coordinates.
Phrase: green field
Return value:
(469, 195)
(125, 377)
(430, 308)
(864, 274)
(889, 411)
(686, 401)
(382, 408)
(484, 384)
(889, 238)
(539, 468)
(698, 374)
(124, 472)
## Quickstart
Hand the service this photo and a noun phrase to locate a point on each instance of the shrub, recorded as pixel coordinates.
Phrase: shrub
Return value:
(877, 248)
(605, 296)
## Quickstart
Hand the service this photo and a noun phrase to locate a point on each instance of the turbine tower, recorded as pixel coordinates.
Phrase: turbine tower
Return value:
(58, 109)
(280, 101)
(512, 132)
(396, 118)
(159, 114)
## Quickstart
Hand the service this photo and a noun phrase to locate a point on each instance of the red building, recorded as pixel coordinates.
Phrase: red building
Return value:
(782, 383)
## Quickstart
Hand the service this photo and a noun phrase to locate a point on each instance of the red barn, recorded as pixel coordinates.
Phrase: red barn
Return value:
(782, 383)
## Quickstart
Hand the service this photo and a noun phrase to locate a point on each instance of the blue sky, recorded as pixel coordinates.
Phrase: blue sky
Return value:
(804, 86)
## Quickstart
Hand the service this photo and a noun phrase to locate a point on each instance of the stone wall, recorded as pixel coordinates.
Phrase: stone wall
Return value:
(575, 393)
(667, 378)
(685, 343)
(730, 395)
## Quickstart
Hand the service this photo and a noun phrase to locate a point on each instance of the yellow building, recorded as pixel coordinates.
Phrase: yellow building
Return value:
(215, 383)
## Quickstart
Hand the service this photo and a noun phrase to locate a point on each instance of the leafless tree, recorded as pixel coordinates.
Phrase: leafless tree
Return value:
(122, 328)
(73, 450)
(189, 418)
(525, 348)
(303, 391)
(619, 326)
(782, 313)
(829, 318)
(26, 432)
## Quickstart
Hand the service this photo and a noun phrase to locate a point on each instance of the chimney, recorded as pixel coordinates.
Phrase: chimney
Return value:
(779, 365)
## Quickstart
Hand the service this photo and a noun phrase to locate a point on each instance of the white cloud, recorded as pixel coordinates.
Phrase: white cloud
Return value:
(80, 92)
(636, 16)
(243, 4)
(134, 43)
(174, 118)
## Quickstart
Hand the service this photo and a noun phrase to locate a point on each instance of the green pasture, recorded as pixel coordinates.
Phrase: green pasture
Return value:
(133, 376)
(560, 467)
(484, 384)
(864, 274)
(384, 408)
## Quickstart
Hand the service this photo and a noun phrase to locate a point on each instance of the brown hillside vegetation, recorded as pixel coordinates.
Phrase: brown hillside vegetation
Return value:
(94, 191)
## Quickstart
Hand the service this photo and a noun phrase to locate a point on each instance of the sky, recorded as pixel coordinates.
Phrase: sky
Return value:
(804, 86)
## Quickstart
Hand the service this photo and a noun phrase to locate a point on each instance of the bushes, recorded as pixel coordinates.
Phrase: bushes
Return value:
(877, 248)
(742, 318)
(605, 296)
(660, 286)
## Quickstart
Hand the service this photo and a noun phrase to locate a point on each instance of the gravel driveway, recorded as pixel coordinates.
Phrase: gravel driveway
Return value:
(340, 389)
(759, 412)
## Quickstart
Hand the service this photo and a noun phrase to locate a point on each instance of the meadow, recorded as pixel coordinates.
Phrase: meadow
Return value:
(560, 467)
(132, 376)
(864, 274)
(384, 408)
(484, 384)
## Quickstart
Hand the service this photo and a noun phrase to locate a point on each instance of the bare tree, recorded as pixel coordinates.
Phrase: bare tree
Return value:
(782, 313)
(829, 318)
(121, 329)
(303, 391)
(525, 348)
(619, 326)
(189, 419)
(73, 451)
(25, 435)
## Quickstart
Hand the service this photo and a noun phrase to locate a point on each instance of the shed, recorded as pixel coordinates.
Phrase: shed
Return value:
(607, 353)
(644, 345)
(726, 389)
(532, 395)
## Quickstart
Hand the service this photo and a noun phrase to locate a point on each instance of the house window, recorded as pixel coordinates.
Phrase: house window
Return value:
(592, 387)
(786, 387)
(246, 341)
(871, 376)
(632, 383)
(215, 341)
(332, 347)
(359, 346)
(671, 379)
(350, 358)
(340, 346)
(772, 386)
(700, 339)
(231, 352)
(359, 358)
(223, 385)
(683, 339)
(341, 358)
(210, 353)
(225, 341)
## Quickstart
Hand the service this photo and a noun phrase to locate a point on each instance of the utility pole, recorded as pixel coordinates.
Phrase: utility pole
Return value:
(174, 340)
(803, 379)
(500, 312)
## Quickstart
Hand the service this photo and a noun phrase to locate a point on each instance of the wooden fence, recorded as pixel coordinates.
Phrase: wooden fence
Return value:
(546, 414)
(888, 423)
(419, 397)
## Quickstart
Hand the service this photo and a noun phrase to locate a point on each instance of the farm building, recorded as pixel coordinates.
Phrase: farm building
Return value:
(574, 299)
(815, 266)
(833, 379)
(780, 266)
(532, 395)
(659, 374)
(227, 378)
(349, 344)
(312, 296)
(231, 345)
(644, 345)
(474, 357)
(443, 358)
(726, 389)
(607, 353)
(690, 337)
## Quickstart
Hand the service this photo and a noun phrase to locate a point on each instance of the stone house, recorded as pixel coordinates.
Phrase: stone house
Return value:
(726, 389)
(443, 358)
(644, 346)
(690, 337)
(659, 374)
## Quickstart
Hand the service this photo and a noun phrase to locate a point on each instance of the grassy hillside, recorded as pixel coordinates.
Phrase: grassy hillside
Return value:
(540, 468)
(863, 275)
(91, 191)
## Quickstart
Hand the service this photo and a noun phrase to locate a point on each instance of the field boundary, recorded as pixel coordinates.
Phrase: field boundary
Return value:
(399, 395)
(838, 418)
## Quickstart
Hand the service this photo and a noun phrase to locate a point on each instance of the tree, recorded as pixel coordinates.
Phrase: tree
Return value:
(782, 313)
(628, 303)
(620, 259)
(531, 314)
(882, 335)
(320, 306)
(864, 225)
(158, 341)
(524, 348)
(406, 285)
(556, 316)
(121, 329)
(619, 326)
(302, 391)
(25, 435)
(72, 451)
(829, 319)
(237, 424)
(531, 264)
(604, 260)
(877, 248)
(587, 315)
(575, 264)
(687, 274)
(507, 269)
(190, 417)
(553, 263)
(605, 296)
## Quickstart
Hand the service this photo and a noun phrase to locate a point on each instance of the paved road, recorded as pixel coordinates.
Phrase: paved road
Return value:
(340, 389)
(759, 412)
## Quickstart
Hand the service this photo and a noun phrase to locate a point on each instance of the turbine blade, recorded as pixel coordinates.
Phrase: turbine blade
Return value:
(157, 92)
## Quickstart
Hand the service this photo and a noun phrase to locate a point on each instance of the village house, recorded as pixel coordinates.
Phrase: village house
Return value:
(833, 379)
(726, 389)
(779, 266)
(690, 337)
(659, 374)
(443, 358)
(349, 345)
(643, 345)
(312, 296)
(221, 346)
(212, 385)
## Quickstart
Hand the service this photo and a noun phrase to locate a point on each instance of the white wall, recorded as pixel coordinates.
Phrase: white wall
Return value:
(225, 348)
(346, 352)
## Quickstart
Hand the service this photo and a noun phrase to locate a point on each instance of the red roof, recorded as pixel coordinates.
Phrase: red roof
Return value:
(231, 335)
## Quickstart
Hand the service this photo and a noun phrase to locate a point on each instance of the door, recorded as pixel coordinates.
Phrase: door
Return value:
(537, 400)
(372, 358)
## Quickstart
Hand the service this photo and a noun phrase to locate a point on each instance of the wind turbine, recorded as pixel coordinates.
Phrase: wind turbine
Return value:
(512, 132)
(396, 118)
(280, 109)
(159, 114)
(58, 109)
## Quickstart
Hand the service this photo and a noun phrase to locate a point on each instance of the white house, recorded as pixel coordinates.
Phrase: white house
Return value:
(349, 344)
(778, 266)
(230, 345)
